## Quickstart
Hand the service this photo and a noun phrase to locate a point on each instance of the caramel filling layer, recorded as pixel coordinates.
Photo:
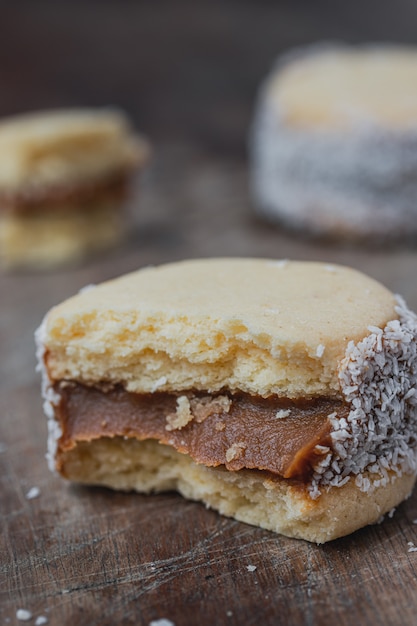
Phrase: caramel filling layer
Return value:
(112, 188)
(281, 436)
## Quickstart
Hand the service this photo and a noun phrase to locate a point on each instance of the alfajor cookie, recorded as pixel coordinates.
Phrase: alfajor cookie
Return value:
(279, 393)
(334, 141)
(64, 180)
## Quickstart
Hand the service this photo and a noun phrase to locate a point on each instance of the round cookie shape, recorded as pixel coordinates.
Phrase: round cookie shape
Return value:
(333, 145)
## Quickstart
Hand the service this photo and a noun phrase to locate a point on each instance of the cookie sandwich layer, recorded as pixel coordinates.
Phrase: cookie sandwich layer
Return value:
(285, 383)
(334, 141)
(64, 178)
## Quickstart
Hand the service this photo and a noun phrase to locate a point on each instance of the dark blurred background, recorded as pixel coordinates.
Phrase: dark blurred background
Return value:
(183, 69)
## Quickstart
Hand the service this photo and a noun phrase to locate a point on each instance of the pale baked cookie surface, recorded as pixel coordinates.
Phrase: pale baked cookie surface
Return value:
(334, 141)
(342, 87)
(279, 392)
(257, 326)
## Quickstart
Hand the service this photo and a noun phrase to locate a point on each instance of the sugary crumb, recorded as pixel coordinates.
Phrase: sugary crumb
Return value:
(196, 408)
(391, 513)
(33, 492)
(320, 350)
(229, 613)
(411, 547)
(23, 615)
(235, 451)
(159, 383)
(42, 619)
(251, 568)
(414, 521)
(182, 416)
(161, 622)
(283, 413)
(204, 407)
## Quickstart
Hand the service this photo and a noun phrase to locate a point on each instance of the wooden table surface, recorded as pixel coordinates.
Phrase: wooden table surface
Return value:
(187, 72)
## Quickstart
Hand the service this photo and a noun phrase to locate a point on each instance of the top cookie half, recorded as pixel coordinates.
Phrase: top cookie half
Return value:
(339, 87)
(259, 326)
(49, 149)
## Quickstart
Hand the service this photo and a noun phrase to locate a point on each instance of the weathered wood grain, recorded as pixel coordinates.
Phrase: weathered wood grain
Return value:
(187, 72)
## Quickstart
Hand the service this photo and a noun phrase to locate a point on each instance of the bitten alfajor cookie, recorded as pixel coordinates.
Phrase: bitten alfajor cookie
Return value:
(334, 141)
(282, 394)
(64, 180)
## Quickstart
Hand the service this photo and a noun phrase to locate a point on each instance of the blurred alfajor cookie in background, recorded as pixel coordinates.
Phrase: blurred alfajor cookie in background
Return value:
(64, 180)
(334, 141)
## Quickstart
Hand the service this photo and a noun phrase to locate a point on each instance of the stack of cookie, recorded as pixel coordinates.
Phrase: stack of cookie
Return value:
(334, 142)
(64, 178)
(279, 393)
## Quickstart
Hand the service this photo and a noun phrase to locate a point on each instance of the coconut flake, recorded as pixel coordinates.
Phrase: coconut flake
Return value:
(33, 492)
(23, 615)
(378, 378)
(282, 413)
(50, 397)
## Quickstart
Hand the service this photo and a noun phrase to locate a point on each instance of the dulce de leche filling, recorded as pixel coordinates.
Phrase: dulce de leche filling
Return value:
(284, 437)
(113, 188)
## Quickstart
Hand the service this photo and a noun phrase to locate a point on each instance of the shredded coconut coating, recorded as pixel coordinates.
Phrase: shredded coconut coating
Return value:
(378, 378)
(361, 182)
(330, 183)
(50, 398)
